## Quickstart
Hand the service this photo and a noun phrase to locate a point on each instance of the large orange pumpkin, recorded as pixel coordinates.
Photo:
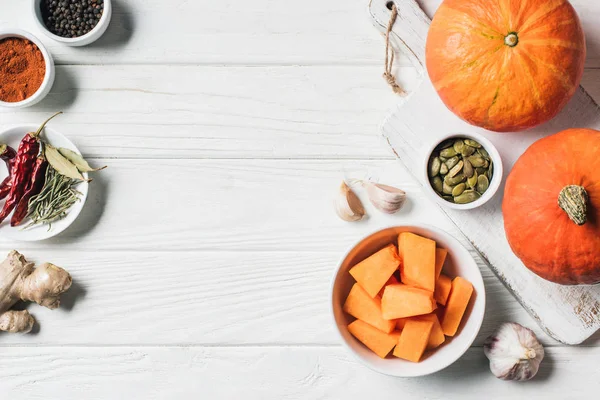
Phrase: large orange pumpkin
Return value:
(551, 207)
(505, 65)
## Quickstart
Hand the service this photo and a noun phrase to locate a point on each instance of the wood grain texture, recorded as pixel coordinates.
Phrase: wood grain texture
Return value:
(271, 373)
(231, 112)
(209, 112)
(219, 266)
(203, 256)
(208, 298)
(241, 32)
(217, 205)
(569, 314)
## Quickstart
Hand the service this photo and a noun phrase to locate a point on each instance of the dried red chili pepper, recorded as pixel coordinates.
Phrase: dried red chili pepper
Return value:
(33, 188)
(7, 154)
(25, 161)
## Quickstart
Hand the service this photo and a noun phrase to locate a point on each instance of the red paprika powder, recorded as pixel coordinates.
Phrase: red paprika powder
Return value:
(22, 69)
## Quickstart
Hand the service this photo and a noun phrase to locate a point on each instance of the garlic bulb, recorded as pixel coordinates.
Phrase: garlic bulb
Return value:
(347, 205)
(514, 352)
(385, 198)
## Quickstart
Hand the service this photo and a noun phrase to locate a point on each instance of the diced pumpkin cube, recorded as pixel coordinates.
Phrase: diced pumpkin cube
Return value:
(436, 337)
(400, 301)
(460, 294)
(361, 306)
(380, 343)
(401, 246)
(442, 289)
(373, 272)
(413, 340)
(418, 261)
(440, 258)
(390, 281)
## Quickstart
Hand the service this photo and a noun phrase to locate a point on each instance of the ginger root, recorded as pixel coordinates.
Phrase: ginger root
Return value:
(20, 281)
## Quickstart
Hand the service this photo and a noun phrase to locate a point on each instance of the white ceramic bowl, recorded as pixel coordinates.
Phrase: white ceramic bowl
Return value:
(496, 177)
(48, 81)
(83, 40)
(12, 137)
(458, 263)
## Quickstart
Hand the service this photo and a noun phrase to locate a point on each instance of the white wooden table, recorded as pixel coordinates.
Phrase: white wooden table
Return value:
(203, 257)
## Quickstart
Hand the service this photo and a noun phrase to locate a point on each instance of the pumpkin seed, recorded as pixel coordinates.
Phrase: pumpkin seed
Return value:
(442, 159)
(458, 189)
(452, 162)
(490, 171)
(468, 169)
(480, 170)
(467, 151)
(483, 153)
(472, 181)
(448, 198)
(434, 166)
(468, 196)
(454, 180)
(437, 184)
(446, 189)
(444, 145)
(486, 164)
(449, 152)
(482, 184)
(477, 161)
(458, 145)
(456, 169)
(443, 169)
(472, 143)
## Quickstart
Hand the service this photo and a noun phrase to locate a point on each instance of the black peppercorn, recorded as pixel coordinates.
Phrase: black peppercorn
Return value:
(71, 18)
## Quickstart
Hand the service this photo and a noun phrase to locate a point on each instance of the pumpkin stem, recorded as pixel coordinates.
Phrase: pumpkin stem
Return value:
(511, 39)
(573, 200)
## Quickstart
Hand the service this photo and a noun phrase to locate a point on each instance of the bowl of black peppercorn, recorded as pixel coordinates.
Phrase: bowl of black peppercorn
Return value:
(73, 22)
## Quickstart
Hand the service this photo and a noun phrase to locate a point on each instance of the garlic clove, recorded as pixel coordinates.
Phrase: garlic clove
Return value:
(385, 198)
(514, 352)
(347, 204)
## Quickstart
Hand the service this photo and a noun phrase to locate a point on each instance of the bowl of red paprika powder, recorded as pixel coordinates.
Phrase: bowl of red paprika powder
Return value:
(26, 69)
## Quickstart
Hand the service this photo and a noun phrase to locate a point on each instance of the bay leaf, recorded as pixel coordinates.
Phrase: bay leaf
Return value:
(78, 160)
(61, 164)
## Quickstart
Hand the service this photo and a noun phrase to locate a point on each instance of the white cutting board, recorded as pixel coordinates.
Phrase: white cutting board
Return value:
(567, 313)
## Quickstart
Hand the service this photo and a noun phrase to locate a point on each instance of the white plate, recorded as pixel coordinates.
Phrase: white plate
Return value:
(12, 137)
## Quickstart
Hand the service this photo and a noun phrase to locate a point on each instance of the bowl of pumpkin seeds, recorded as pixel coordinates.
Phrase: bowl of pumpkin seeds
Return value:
(463, 171)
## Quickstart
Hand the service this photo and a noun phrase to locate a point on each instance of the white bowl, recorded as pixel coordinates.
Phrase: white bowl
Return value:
(12, 137)
(48, 81)
(496, 177)
(83, 40)
(458, 263)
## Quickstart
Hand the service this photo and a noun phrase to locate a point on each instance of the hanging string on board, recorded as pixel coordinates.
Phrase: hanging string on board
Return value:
(389, 53)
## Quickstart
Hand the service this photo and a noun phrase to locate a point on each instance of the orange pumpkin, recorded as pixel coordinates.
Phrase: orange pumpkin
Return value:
(551, 207)
(505, 65)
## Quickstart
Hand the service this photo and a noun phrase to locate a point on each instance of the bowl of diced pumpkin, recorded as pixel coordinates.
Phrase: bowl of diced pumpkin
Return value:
(408, 300)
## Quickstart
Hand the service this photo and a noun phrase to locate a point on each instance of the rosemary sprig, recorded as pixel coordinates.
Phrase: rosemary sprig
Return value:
(54, 201)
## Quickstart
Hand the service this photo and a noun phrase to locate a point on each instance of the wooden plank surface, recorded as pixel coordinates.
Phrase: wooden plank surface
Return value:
(209, 298)
(249, 114)
(271, 373)
(208, 271)
(123, 111)
(232, 112)
(313, 32)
